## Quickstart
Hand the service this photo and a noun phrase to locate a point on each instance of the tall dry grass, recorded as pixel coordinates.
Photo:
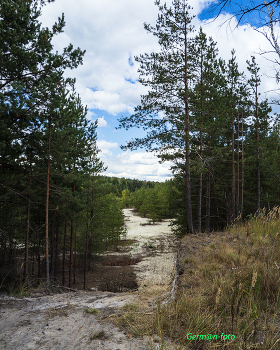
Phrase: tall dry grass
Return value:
(236, 291)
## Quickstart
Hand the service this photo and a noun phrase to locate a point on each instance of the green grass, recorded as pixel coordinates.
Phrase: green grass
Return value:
(91, 311)
(19, 290)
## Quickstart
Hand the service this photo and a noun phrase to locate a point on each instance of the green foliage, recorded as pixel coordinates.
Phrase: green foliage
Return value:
(44, 130)
(125, 198)
(205, 116)
(156, 203)
(118, 185)
(91, 311)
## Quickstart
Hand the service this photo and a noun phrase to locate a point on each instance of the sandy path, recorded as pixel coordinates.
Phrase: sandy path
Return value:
(158, 244)
(60, 321)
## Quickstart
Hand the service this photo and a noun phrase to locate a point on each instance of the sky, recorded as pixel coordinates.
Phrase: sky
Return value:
(112, 33)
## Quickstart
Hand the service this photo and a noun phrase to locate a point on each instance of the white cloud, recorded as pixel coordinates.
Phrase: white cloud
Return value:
(134, 165)
(247, 42)
(105, 147)
(137, 165)
(102, 122)
(90, 115)
(112, 33)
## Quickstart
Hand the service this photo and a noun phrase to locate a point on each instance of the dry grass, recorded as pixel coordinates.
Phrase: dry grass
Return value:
(118, 282)
(60, 311)
(99, 335)
(232, 286)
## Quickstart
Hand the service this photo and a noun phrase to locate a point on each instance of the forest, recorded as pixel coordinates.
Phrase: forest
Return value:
(210, 120)
(205, 116)
(55, 208)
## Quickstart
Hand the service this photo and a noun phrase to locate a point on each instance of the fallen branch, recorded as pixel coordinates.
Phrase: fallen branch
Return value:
(71, 289)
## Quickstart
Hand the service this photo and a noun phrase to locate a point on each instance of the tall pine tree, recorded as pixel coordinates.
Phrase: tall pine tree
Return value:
(165, 109)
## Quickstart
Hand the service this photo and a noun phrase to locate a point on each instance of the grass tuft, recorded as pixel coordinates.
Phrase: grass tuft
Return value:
(102, 335)
(91, 311)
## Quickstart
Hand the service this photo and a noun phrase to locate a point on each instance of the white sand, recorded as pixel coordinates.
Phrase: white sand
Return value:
(157, 240)
(60, 322)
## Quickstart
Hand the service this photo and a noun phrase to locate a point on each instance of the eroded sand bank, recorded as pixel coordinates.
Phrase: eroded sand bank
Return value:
(60, 321)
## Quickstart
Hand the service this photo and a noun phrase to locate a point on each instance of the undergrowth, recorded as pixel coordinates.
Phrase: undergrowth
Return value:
(236, 292)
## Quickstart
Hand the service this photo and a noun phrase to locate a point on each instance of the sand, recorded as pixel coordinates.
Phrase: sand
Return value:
(60, 321)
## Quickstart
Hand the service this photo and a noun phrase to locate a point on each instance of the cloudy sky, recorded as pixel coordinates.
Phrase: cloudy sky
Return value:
(112, 33)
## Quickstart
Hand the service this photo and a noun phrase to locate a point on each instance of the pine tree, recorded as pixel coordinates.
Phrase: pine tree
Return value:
(204, 92)
(165, 110)
(254, 82)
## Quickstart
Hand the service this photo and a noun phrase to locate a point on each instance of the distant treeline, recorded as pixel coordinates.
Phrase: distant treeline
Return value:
(158, 201)
(119, 184)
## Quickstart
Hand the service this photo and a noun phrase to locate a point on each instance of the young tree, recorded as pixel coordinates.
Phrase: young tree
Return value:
(254, 82)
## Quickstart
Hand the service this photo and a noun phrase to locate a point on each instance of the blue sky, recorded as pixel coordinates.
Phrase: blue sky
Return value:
(112, 33)
(233, 7)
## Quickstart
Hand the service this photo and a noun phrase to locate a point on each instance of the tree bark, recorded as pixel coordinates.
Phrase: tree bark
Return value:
(86, 248)
(187, 142)
(200, 154)
(56, 260)
(71, 248)
(71, 254)
(52, 245)
(242, 162)
(208, 202)
(39, 260)
(258, 154)
(47, 206)
(27, 234)
(75, 250)
(238, 169)
(64, 253)
(233, 173)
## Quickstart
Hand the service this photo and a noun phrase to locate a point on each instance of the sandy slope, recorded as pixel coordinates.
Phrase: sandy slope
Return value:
(60, 321)
(157, 268)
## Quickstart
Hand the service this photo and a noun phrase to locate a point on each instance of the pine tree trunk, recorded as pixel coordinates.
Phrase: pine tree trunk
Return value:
(187, 143)
(200, 153)
(208, 202)
(33, 261)
(56, 258)
(89, 255)
(238, 169)
(90, 242)
(27, 234)
(72, 262)
(86, 248)
(75, 250)
(39, 261)
(47, 207)
(52, 245)
(71, 254)
(258, 155)
(233, 174)
(242, 162)
(64, 253)
(71, 248)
